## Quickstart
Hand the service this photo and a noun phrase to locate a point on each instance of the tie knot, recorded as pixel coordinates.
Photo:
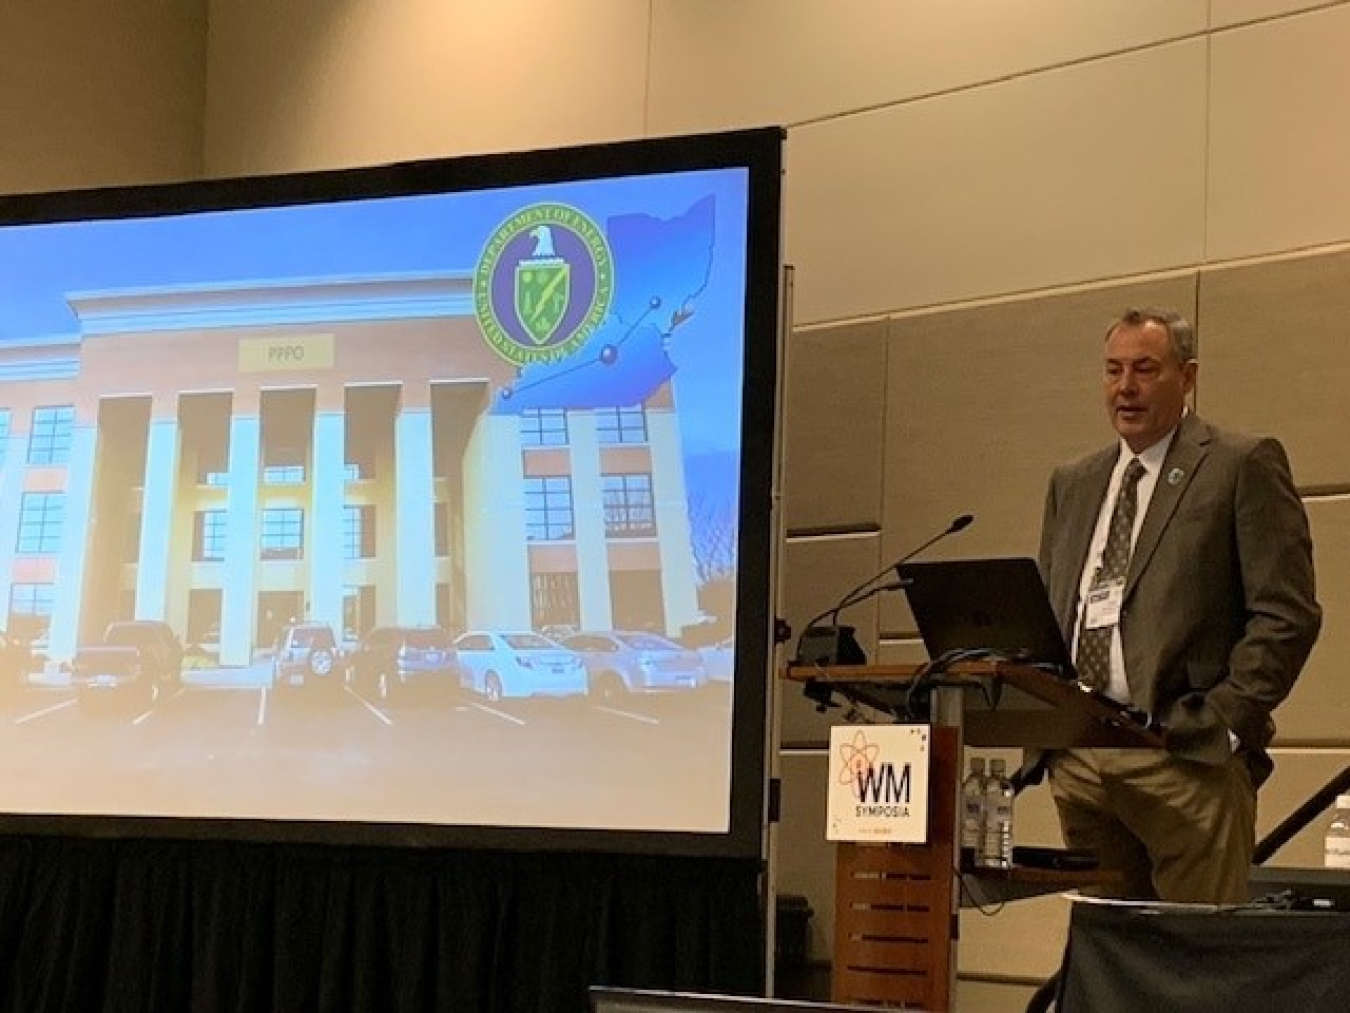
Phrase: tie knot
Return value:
(1134, 471)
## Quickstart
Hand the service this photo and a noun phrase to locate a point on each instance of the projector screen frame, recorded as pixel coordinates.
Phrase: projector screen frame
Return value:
(759, 153)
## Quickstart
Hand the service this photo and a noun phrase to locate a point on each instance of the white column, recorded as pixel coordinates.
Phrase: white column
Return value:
(11, 502)
(679, 580)
(157, 505)
(64, 630)
(496, 555)
(323, 547)
(415, 516)
(239, 598)
(588, 508)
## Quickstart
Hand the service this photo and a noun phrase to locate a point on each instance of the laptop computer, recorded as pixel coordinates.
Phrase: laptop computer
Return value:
(995, 605)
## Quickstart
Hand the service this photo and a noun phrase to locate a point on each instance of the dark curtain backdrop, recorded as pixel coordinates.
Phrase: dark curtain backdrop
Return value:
(136, 926)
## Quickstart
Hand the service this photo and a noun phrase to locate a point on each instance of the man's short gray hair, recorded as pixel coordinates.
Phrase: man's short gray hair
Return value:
(1178, 328)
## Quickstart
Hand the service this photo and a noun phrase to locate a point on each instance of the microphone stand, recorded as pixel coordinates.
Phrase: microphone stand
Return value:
(833, 644)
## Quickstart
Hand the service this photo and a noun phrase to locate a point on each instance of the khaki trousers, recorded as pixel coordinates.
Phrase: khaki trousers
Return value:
(1176, 830)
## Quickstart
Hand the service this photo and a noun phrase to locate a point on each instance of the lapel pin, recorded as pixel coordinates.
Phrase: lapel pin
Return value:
(1175, 476)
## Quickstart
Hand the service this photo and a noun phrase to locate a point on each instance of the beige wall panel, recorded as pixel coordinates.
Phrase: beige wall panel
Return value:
(805, 857)
(991, 996)
(1020, 185)
(715, 63)
(833, 420)
(1226, 13)
(1273, 358)
(901, 652)
(1319, 707)
(817, 573)
(1299, 774)
(311, 83)
(1024, 938)
(96, 96)
(982, 404)
(1279, 139)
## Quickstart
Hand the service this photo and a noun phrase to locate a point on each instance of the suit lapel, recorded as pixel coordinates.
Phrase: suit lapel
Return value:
(1178, 469)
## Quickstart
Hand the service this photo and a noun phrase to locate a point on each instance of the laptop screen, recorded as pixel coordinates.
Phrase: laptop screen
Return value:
(996, 605)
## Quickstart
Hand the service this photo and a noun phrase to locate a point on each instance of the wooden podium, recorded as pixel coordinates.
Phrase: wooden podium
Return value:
(897, 905)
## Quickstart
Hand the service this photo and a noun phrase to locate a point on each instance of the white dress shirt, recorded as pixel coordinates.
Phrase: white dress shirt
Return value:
(1152, 460)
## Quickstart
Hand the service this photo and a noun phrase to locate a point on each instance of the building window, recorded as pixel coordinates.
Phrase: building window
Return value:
(208, 543)
(49, 442)
(282, 533)
(358, 532)
(629, 509)
(543, 427)
(554, 601)
(34, 603)
(284, 474)
(40, 518)
(4, 433)
(621, 425)
(32, 599)
(548, 508)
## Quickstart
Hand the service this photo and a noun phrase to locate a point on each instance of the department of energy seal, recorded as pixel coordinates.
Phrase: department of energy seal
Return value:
(543, 284)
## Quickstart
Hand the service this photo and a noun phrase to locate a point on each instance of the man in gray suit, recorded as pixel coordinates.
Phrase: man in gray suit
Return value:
(1185, 584)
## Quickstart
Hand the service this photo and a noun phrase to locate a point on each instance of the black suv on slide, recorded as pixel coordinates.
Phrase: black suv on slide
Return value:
(138, 657)
(391, 660)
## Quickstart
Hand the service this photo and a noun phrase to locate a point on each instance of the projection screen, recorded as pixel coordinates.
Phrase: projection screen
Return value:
(425, 503)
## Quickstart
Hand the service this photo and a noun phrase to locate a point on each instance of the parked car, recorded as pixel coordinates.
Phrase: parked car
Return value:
(138, 657)
(719, 660)
(390, 661)
(306, 655)
(509, 664)
(623, 661)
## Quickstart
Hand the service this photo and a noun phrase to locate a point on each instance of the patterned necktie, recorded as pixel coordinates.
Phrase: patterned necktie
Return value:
(1094, 645)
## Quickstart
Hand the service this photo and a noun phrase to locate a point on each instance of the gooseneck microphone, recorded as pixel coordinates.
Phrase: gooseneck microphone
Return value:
(833, 644)
(865, 590)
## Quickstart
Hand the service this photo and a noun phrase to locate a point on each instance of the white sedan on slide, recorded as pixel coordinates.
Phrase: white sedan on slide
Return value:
(719, 660)
(513, 664)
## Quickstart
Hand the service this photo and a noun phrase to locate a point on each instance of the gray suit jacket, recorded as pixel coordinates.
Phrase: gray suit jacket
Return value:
(1219, 611)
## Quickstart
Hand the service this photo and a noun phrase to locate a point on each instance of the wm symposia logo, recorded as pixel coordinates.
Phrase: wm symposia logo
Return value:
(879, 789)
(544, 283)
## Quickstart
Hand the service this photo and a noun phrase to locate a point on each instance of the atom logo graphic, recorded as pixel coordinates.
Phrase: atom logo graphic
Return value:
(857, 758)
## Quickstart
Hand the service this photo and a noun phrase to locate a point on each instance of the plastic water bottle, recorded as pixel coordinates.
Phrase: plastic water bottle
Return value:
(972, 810)
(995, 851)
(1337, 853)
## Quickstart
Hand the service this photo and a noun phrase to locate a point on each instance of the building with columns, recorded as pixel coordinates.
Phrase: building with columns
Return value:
(231, 458)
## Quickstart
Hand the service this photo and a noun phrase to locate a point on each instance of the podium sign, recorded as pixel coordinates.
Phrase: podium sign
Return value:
(879, 778)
